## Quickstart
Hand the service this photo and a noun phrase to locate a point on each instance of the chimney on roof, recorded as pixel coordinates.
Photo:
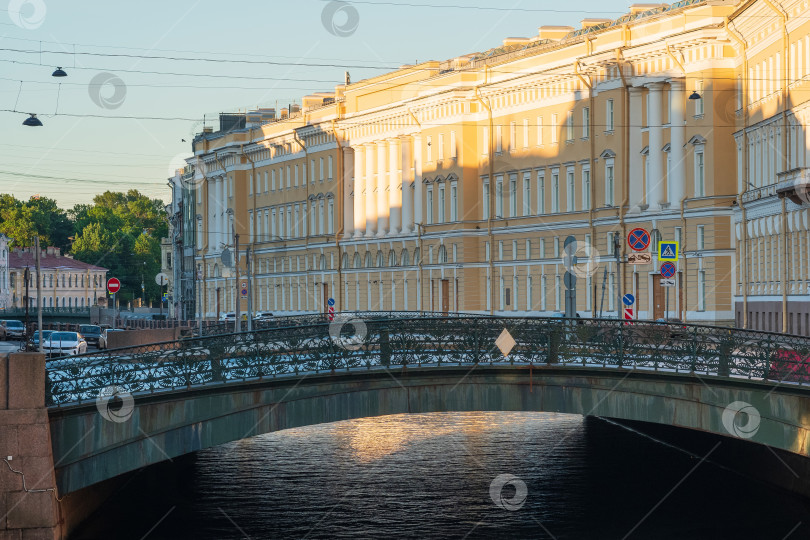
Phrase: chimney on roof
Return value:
(49, 250)
(587, 23)
(555, 33)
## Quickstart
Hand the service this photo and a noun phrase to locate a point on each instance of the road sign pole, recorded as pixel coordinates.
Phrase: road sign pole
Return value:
(666, 303)
(250, 291)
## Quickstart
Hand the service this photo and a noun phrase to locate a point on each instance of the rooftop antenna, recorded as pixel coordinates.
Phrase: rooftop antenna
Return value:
(348, 79)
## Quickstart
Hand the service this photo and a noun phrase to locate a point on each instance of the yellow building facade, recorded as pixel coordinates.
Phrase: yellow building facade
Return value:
(452, 186)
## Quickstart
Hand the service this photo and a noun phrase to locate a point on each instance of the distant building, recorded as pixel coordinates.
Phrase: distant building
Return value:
(66, 282)
(177, 250)
(5, 290)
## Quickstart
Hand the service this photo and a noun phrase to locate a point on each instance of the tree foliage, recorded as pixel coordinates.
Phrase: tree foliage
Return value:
(119, 231)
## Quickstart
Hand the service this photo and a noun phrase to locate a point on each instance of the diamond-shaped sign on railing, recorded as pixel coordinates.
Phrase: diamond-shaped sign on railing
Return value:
(505, 342)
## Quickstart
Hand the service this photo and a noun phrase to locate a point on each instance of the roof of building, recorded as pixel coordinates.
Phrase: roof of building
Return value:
(23, 259)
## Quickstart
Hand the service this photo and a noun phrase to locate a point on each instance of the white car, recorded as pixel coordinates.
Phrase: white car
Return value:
(64, 344)
(263, 316)
(229, 316)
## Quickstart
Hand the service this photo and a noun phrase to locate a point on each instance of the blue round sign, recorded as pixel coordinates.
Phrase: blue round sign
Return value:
(628, 299)
(668, 270)
(331, 301)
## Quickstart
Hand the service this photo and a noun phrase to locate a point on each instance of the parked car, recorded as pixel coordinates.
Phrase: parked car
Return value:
(65, 344)
(789, 366)
(263, 316)
(103, 341)
(229, 316)
(90, 332)
(2, 330)
(33, 341)
(14, 329)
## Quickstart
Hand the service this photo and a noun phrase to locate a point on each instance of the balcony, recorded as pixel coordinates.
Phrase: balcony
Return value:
(795, 185)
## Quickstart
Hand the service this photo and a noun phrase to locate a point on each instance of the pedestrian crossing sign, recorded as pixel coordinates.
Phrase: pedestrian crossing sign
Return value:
(668, 250)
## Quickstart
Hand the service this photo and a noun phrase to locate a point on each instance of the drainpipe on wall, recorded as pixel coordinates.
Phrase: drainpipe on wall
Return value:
(306, 210)
(625, 167)
(491, 211)
(746, 173)
(341, 186)
(251, 234)
(232, 232)
(419, 227)
(785, 259)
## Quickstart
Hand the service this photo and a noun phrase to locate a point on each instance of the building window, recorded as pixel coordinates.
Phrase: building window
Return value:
(701, 237)
(330, 216)
(498, 139)
(586, 189)
(525, 133)
(554, 128)
(609, 183)
(555, 192)
(700, 177)
(702, 291)
(527, 193)
(541, 192)
(699, 102)
(453, 201)
(512, 195)
(441, 146)
(586, 122)
(441, 204)
(512, 136)
(539, 128)
(569, 126)
(430, 205)
(485, 198)
(609, 116)
(499, 196)
(571, 192)
(453, 150)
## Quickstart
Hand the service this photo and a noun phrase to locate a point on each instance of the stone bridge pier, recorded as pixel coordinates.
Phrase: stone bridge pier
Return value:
(28, 505)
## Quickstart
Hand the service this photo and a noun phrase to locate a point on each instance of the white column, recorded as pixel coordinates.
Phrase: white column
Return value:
(394, 186)
(656, 194)
(417, 180)
(636, 161)
(407, 181)
(676, 138)
(348, 187)
(359, 214)
(370, 193)
(382, 189)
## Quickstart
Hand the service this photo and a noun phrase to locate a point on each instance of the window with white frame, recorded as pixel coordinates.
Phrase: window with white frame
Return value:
(296, 220)
(312, 216)
(312, 170)
(609, 182)
(541, 192)
(555, 191)
(512, 195)
(528, 253)
(527, 193)
(699, 102)
(539, 128)
(321, 217)
(485, 200)
(514, 250)
(609, 125)
(586, 188)
(701, 237)
(586, 122)
(454, 201)
(289, 178)
(329, 168)
(525, 133)
(541, 248)
(557, 288)
(512, 136)
(499, 197)
(554, 128)
(569, 126)
(330, 215)
(441, 203)
(453, 149)
(702, 290)
(266, 183)
(700, 173)
(570, 190)
(295, 183)
(556, 247)
(498, 139)
(273, 232)
(272, 179)
(429, 205)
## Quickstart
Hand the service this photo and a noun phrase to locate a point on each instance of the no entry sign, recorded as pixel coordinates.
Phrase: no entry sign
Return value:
(113, 285)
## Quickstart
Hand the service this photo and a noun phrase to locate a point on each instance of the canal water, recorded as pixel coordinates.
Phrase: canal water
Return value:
(453, 475)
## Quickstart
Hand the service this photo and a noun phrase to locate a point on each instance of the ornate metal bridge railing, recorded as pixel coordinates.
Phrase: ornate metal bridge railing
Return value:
(381, 341)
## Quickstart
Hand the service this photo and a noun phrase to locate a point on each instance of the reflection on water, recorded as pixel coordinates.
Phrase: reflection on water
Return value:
(429, 476)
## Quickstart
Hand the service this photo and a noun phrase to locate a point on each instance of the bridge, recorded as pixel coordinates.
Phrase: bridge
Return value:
(120, 410)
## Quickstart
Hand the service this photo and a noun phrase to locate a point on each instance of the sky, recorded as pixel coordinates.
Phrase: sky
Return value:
(119, 118)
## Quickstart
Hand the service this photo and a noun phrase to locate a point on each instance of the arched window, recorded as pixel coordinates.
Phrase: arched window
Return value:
(380, 259)
(323, 261)
(70, 281)
(417, 256)
(405, 258)
(345, 261)
(70, 302)
(392, 258)
(368, 259)
(357, 260)
(442, 254)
